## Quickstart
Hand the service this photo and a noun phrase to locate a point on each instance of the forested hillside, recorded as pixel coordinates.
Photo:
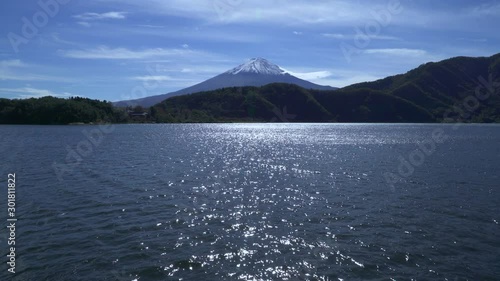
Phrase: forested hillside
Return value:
(455, 90)
(54, 111)
(460, 89)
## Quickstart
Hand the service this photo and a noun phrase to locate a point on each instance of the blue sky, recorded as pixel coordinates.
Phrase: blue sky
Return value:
(123, 49)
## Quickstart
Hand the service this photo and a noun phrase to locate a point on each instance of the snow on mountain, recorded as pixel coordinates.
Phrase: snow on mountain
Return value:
(258, 66)
(256, 72)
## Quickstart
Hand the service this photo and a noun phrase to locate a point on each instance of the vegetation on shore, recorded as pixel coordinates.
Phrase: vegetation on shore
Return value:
(461, 89)
(455, 90)
(288, 103)
(59, 111)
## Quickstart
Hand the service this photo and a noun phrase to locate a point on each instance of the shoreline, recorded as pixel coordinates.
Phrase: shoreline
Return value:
(221, 123)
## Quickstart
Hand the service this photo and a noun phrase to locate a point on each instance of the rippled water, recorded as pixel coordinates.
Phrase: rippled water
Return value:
(253, 202)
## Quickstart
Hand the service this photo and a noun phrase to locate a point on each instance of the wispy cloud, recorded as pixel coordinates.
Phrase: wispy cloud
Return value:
(476, 40)
(343, 77)
(104, 52)
(11, 63)
(191, 9)
(335, 77)
(299, 12)
(56, 38)
(84, 23)
(352, 36)
(342, 13)
(486, 9)
(17, 70)
(30, 77)
(198, 39)
(314, 75)
(397, 52)
(28, 92)
(201, 33)
(102, 16)
(336, 35)
(85, 19)
(157, 78)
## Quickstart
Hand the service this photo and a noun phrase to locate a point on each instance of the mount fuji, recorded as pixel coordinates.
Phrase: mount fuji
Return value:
(256, 72)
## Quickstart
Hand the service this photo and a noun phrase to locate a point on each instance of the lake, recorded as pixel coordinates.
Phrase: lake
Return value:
(253, 202)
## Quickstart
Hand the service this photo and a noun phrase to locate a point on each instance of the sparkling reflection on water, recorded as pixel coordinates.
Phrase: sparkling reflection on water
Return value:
(258, 202)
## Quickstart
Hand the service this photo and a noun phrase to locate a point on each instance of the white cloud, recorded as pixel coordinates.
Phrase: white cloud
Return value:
(17, 70)
(191, 9)
(334, 77)
(314, 75)
(343, 81)
(339, 77)
(102, 16)
(104, 52)
(84, 23)
(335, 35)
(343, 77)
(29, 77)
(28, 92)
(340, 13)
(353, 36)
(58, 40)
(157, 78)
(397, 52)
(198, 33)
(299, 12)
(487, 9)
(151, 26)
(11, 63)
(204, 70)
(295, 13)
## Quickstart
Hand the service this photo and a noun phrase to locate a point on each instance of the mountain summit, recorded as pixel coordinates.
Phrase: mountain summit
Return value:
(255, 72)
(258, 66)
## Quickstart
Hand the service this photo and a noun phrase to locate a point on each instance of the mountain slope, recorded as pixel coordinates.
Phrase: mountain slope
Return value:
(445, 91)
(288, 103)
(256, 72)
(455, 90)
(440, 86)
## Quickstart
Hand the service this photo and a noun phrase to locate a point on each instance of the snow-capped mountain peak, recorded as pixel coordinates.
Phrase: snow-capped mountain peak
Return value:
(258, 66)
(256, 72)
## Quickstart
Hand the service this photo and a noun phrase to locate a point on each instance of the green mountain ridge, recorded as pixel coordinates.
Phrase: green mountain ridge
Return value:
(460, 89)
(444, 91)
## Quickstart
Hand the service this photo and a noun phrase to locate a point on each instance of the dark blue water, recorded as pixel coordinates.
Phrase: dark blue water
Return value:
(253, 202)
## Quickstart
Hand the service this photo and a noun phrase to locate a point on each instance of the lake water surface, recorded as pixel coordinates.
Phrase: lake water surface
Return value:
(253, 202)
